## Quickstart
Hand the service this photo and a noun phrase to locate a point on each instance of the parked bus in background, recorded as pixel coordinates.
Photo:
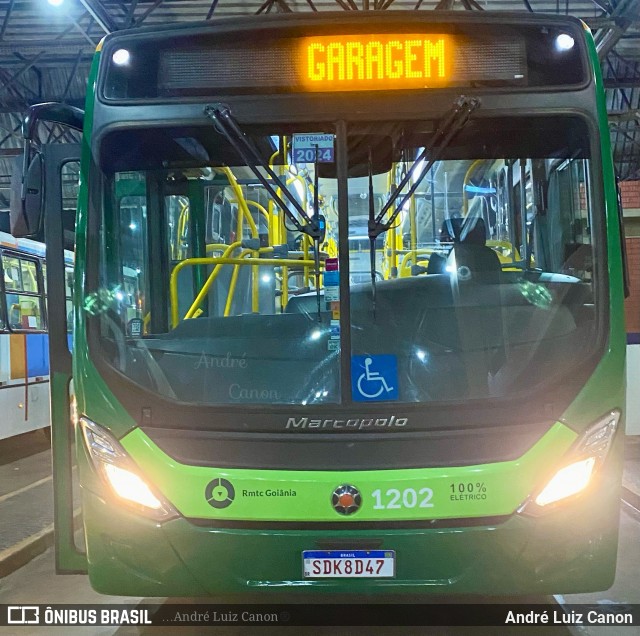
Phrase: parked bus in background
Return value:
(24, 347)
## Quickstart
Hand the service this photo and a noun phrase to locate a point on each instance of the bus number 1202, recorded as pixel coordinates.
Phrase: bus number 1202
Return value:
(408, 498)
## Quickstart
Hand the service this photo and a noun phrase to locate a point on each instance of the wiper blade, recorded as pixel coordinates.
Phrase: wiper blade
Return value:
(224, 121)
(313, 227)
(316, 240)
(455, 121)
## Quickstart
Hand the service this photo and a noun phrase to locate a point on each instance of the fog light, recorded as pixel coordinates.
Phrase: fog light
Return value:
(568, 481)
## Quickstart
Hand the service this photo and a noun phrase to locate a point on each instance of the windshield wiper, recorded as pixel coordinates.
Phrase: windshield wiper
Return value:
(322, 226)
(455, 121)
(221, 115)
(313, 227)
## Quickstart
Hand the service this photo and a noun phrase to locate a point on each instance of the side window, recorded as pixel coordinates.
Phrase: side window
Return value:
(569, 239)
(43, 267)
(29, 276)
(3, 315)
(177, 209)
(133, 247)
(70, 180)
(24, 301)
(12, 273)
(68, 294)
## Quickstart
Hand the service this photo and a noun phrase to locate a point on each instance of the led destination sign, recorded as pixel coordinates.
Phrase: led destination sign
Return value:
(445, 56)
(369, 62)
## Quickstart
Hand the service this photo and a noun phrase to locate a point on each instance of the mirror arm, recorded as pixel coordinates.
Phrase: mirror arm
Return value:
(54, 112)
(26, 155)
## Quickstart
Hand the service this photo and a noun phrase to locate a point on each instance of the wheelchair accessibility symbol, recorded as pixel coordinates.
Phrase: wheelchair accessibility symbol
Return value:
(374, 378)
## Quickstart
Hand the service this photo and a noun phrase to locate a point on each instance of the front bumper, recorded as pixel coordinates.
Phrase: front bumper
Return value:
(572, 549)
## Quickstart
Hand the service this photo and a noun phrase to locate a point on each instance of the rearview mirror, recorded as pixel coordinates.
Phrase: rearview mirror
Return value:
(27, 178)
(27, 197)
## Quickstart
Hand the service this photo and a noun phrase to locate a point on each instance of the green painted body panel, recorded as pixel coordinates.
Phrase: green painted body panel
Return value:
(288, 495)
(572, 548)
(606, 387)
(94, 398)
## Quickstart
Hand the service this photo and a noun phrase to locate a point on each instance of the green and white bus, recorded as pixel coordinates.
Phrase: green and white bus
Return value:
(348, 310)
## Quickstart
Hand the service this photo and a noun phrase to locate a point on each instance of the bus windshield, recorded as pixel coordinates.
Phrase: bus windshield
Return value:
(485, 283)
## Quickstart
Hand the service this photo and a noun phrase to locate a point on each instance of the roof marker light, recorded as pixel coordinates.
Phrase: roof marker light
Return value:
(564, 42)
(121, 57)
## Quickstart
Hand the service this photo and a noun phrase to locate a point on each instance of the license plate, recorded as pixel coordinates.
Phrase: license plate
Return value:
(349, 564)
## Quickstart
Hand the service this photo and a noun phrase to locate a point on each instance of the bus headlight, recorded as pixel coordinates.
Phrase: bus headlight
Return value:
(131, 487)
(578, 467)
(118, 471)
(568, 481)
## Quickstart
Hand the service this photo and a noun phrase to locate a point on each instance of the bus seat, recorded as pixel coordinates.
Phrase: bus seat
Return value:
(437, 264)
(450, 231)
(472, 252)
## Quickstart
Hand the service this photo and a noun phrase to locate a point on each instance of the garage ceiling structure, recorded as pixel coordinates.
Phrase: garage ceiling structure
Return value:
(46, 48)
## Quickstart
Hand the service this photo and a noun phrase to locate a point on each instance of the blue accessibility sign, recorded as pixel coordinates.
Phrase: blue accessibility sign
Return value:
(374, 378)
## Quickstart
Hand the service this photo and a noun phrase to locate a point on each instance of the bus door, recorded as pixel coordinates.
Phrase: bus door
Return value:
(51, 218)
(58, 163)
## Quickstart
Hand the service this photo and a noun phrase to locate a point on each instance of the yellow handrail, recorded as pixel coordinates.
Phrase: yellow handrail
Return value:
(277, 230)
(409, 256)
(232, 290)
(264, 213)
(467, 176)
(272, 157)
(242, 204)
(218, 262)
(284, 287)
(281, 217)
(173, 283)
(181, 228)
(212, 247)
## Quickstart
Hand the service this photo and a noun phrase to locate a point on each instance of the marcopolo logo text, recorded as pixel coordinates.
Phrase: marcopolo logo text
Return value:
(358, 424)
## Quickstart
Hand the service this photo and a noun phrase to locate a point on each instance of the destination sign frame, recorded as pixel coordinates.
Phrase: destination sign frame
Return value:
(481, 56)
